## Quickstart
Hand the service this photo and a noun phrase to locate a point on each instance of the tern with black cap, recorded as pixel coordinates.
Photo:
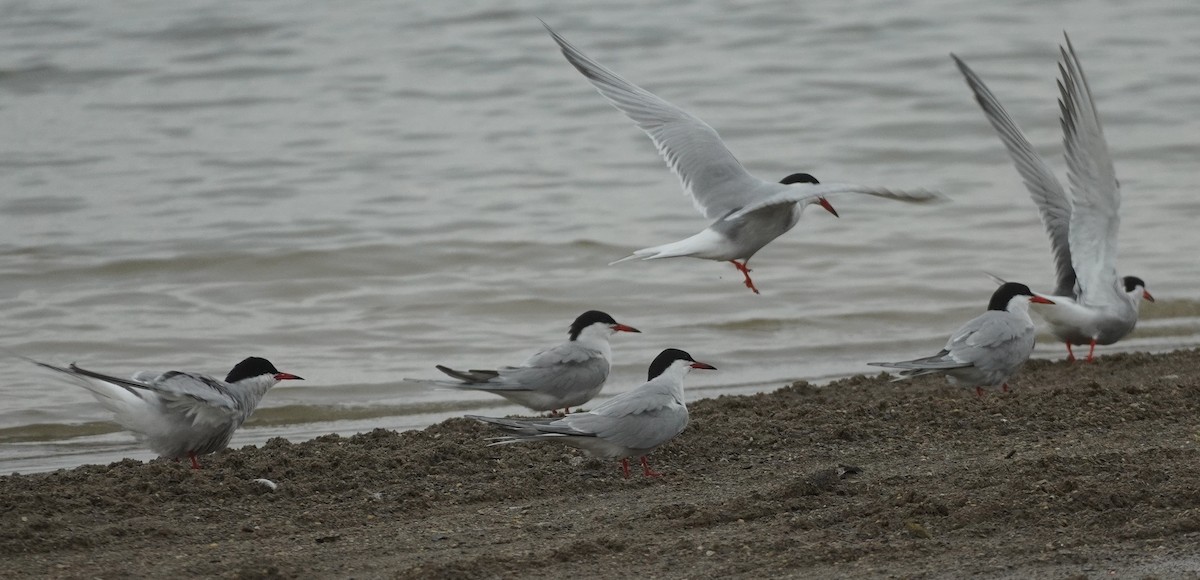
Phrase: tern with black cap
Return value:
(1092, 304)
(749, 212)
(564, 376)
(181, 414)
(632, 424)
(989, 348)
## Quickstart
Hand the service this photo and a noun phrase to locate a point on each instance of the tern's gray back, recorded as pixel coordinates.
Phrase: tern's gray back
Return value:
(994, 342)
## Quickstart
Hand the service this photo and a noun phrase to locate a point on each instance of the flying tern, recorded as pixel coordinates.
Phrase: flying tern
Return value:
(749, 212)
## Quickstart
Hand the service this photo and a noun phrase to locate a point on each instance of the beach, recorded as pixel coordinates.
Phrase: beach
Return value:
(1081, 471)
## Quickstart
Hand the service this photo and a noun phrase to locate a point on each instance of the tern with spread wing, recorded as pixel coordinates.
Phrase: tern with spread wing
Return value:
(181, 414)
(1092, 304)
(631, 424)
(989, 348)
(561, 377)
(748, 212)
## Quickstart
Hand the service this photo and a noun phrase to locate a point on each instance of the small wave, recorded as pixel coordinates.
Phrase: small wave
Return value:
(43, 77)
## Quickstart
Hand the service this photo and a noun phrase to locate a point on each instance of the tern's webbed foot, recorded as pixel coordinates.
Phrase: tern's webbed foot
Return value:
(745, 272)
(646, 471)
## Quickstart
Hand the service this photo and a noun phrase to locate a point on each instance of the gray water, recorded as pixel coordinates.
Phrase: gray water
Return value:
(360, 190)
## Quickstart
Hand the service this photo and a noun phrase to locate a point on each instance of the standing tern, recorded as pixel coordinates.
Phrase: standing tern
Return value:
(989, 348)
(181, 414)
(749, 211)
(560, 377)
(631, 424)
(1092, 304)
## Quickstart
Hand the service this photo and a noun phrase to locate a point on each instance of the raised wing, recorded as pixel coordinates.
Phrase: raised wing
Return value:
(1045, 189)
(710, 173)
(801, 192)
(1093, 182)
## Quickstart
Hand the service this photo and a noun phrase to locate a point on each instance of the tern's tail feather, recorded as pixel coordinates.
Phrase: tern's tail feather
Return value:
(625, 259)
(672, 250)
(705, 244)
(998, 280)
(923, 366)
(471, 376)
(130, 408)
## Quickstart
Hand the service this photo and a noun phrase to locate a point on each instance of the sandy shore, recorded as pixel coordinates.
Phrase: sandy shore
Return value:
(1083, 471)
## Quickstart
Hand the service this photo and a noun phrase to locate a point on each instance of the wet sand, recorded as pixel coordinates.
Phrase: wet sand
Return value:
(1083, 471)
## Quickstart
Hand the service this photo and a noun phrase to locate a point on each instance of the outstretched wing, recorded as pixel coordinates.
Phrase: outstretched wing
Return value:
(802, 192)
(1045, 189)
(1094, 190)
(710, 173)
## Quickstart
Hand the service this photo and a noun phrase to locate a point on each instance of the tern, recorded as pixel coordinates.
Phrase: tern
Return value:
(560, 377)
(989, 348)
(181, 414)
(1092, 304)
(749, 212)
(631, 424)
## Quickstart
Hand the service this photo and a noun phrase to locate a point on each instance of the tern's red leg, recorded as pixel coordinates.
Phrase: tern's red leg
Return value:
(745, 272)
(1004, 388)
(1091, 351)
(1070, 355)
(625, 467)
(646, 469)
(195, 464)
(979, 392)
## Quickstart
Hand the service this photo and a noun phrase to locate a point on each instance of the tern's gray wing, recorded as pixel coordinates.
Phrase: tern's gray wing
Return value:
(560, 379)
(1096, 197)
(565, 368)
(567, 352)
(643, 418)
(200, 398)
(652, 423)
(1045, 189)
(801, 192)
(989, 341)
(710, 173)
(993, 340)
